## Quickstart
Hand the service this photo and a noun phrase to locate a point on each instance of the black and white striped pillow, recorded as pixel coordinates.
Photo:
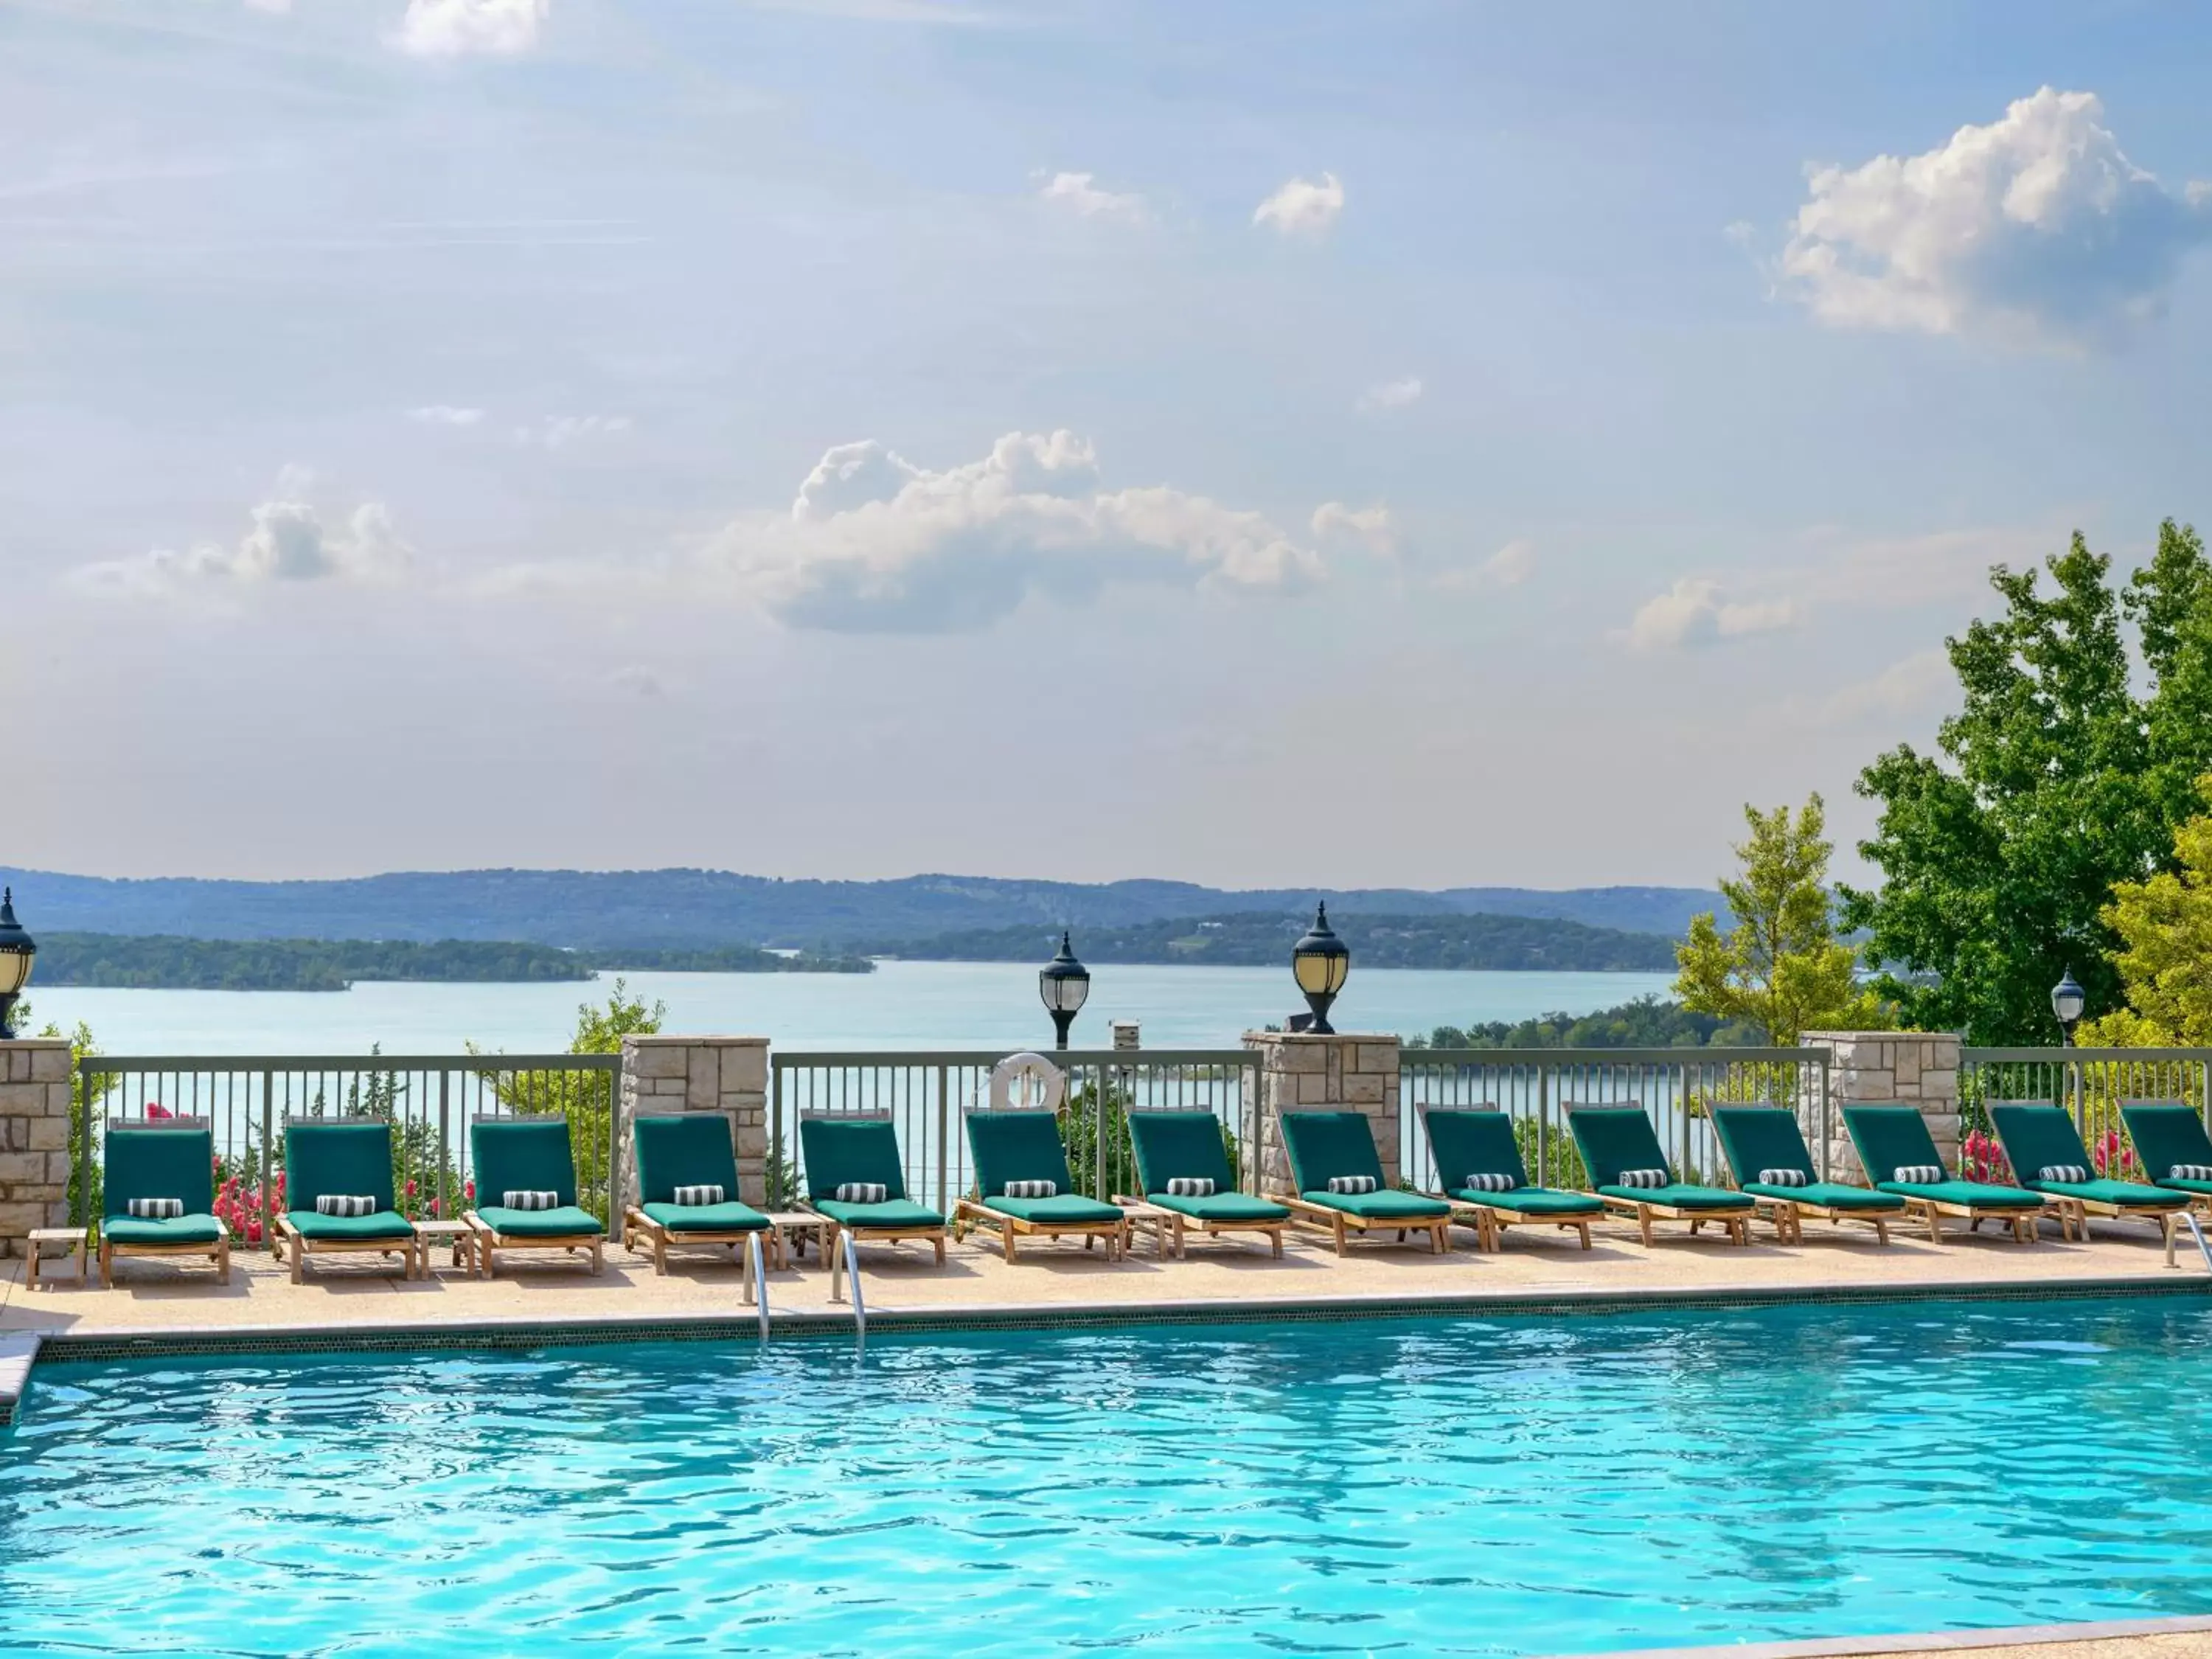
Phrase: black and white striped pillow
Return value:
(862, 1192)
(1490, 1182)
(1783, 1178)
(344, 1204)
(1352, 1185)
(697, 1198)
(1190, 1186)
(2064, 1174)
(2190, 1172)
(529, 1198)
(1641, 1178)
(1917, 1175)
(1031, 1188)
(157, 1209)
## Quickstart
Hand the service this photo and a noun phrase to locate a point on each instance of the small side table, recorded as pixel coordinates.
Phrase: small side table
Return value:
(461, 1235)
(798, 1226)
(72, 1241)
(1166, 1225)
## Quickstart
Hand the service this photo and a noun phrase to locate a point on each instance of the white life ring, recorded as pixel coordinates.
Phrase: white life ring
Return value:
(1029, 1083)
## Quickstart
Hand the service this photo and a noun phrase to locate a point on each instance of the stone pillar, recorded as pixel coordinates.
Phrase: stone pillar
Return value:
(1345, 1072)
(724, 1074)
(1886, 1068)
(34, 1126)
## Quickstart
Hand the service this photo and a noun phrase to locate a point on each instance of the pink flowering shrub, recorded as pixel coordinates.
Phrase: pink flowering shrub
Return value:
(1982, 1159)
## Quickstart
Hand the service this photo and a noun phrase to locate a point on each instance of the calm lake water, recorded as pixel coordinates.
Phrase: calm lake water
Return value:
(903, 1004)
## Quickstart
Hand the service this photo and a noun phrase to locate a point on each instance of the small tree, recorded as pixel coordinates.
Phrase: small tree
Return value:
(2165, 962)
(1780, 967)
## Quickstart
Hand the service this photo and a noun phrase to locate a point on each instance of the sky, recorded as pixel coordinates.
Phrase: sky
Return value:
(1256, 442)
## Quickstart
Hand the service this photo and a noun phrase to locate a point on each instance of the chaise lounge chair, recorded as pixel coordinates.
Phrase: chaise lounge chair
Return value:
(337, 1194)
(1182, 1169)
(2172, 1148)
(1021, 1149)
(527, 1168)
(1629, 1171)
(1766, 1149)
(1339, 1176)
(856, 1182)
(159, 1195)
(2047, 1157)
(1895, 1139)
(1474, 1149)
(688, 1154)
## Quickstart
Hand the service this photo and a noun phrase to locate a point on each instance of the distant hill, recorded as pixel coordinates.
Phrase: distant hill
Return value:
(715, 910)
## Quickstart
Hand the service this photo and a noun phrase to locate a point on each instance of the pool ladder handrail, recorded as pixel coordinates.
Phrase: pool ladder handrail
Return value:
(2198, 1233)
(850, 1256)
(756, 1281)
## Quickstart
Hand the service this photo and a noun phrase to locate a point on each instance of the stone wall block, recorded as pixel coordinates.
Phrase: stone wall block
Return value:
(702, 1081)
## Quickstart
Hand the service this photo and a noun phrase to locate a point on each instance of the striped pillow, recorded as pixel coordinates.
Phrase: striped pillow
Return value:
(529, 1198)
(862, 1192)
(1917, 1175)
(2065, 1174)
(344, 1204)
(2190, 1172)
(157, 1209)
(1640, 1178)
(1783, 1178)
(697, 1198)
(1190, 1186)
(1489, 1182)
(1352, 1185)
(1031, 1188)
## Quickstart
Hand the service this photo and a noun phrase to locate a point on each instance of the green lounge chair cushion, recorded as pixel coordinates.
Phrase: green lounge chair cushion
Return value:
(1012, 1145)
(1974, 1194)
(1896, 1137)
(2184, 1184)
(172, 1229)
(1381, 1205)
(177, 1164)
(1325, 1145)
(339, 1160)
(1532, 1200)
(1831, 1195)
(1682, 1195)
(2037, 1136)
(1069, 1207)
(726, 1218)
(1178, 1145)
(2128, 1192)
(1470, 1142)
(1758, 1138)
(528, 1155)
(1221, 1207)
(1612, 1139)
(563, 1221)
(685, 1149)
(891, 1213)
(338, 1229)
(2167, 1132)
(840, 1150)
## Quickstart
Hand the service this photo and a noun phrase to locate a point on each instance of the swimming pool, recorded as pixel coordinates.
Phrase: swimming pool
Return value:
(1469, 1486)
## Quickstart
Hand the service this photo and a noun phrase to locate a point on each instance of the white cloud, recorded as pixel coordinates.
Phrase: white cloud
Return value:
(286, 542)
(452, 28)
(1695, 612)
(559, 431)
(1902, 688)
(1074, 192)
(1303, 207)
(1370, 527)
(275, 8)
(2037, 226)
(1391, 394)
(874, 544)
(1509, 567)
(638, 682)
(445, 414)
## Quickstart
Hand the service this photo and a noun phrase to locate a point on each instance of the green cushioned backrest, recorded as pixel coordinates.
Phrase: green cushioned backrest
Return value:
(1017, 1146)
(2166, 1133)
(683, 1149)
(1326, 1143)
(1173, 1145)
(1612, 1139)
(1890, 1138)
(1757, 1138)
(1466, 1143)
(528, 1154)
(177, 1164)
(839, 1150)
(337, 1159)
(2036, 1133)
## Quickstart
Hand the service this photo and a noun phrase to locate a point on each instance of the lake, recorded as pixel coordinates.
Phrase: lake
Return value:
(988, 1005)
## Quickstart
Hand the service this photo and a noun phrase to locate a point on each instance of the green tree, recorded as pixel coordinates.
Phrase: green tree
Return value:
(1780, 967)
(2164, 961)
(2065, 772)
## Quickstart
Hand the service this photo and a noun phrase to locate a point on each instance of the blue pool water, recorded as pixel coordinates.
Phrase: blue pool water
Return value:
(1482, 1485)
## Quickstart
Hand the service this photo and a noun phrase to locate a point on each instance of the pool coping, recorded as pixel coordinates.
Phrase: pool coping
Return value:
(19, 1352)
(1948, 1641)
(61, 1347)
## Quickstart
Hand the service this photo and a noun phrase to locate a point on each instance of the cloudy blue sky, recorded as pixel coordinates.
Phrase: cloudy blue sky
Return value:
(1272, 442)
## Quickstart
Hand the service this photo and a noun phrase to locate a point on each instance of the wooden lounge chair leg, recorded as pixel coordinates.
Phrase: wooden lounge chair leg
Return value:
(1275, 1237)
(939, 1242)
(2167, 1219)
(1582, 1227)
(599, 1261)
(1880, 1230)
(106, 1265)
(1339, 1235)
(1006, 1235)
(299, 1260)
(1644, 1225)
(1934, 1225)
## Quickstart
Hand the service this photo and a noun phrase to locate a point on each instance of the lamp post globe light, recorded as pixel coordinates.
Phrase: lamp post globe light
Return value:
(2068, 1002)
(17, 951)
(1064, 984)
(1321, 961)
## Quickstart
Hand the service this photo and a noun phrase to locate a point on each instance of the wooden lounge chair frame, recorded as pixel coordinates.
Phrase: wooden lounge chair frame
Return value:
(862, 1233)
(1490, 1222)
(489, 1238)
(1736, 1220)
(2164, 1213)
(970, 1213)
(414, 1256)
(1342, 1224)
(1173, 1228)
(217, 1253)
(2021, 1221)
(636, 1222)
(1787, 1217)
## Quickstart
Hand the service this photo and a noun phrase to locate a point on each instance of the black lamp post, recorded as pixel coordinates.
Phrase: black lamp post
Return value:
(1064, 984)
(1321, 960)
(2068, 1002)
(17, 950)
